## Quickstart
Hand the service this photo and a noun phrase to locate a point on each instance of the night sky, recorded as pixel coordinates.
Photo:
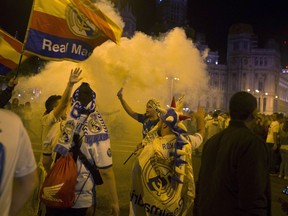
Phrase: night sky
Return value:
(268, 18)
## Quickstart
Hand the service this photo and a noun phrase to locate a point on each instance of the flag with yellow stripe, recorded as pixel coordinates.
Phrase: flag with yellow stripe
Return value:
(10, 52)
(68, 29)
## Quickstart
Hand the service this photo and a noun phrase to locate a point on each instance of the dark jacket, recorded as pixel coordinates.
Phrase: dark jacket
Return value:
(234, 175)
(5, 96)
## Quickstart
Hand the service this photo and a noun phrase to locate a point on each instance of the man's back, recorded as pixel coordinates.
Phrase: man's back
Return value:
(16, 155)
(234, 174)
(212, 127)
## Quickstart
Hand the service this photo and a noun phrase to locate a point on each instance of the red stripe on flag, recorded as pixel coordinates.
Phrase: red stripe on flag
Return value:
(58, 27)
(17, 45)
(96, 16)
(47, 23)
(8, 63)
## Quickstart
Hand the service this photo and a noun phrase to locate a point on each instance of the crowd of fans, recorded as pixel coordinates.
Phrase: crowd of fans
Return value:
(215, 121)
(273, 128)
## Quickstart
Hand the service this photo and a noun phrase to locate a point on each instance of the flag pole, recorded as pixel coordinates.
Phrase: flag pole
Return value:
(18, 67)
(25, 39)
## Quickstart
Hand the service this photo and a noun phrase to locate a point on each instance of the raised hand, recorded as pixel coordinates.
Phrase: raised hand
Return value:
(75, 76)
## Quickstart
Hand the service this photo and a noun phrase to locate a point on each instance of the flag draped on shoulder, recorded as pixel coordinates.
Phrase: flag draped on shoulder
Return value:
(10, 52)
(68, 29)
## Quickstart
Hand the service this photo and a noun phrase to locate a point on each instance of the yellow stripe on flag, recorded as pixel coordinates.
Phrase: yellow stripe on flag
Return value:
(68, 29)
(54, 8)
(8, 52)
(10, 49)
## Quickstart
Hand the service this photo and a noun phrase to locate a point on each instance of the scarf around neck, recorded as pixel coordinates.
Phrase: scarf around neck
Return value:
(83, 120)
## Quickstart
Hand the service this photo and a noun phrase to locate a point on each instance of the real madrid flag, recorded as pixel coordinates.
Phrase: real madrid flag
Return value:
(68, 29)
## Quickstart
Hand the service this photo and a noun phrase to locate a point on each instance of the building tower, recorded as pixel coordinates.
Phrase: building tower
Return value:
(128, 18)
(252, 69)
(172, 13)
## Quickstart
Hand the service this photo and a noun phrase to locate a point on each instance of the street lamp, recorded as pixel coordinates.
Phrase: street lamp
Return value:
(261, 99)
(172, 79)
(276, 103)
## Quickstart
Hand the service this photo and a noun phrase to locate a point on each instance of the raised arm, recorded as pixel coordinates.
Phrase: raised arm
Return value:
(126, 107)
(74, 78)
(199, 115)
(110, 184)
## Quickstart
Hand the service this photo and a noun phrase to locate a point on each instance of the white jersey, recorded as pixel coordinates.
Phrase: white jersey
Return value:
(16, 156)
(50, 128)
(95, 146)
(101, 154)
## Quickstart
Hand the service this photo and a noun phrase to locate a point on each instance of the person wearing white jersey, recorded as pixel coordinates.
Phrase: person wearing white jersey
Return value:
(17, 163)
(55, 110)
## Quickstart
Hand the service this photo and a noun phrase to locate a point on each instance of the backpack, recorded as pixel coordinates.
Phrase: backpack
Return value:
(58, 189)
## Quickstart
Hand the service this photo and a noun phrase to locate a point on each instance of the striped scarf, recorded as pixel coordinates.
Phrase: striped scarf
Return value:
(84, 120)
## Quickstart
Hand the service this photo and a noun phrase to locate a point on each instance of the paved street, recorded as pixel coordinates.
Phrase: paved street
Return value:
(121, 149)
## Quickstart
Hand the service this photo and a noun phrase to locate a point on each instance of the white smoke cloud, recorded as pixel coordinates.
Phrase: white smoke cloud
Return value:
(140, 65)
(108, 8)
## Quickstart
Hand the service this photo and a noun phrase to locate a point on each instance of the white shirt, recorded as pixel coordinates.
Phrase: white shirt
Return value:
(98, 152)
(50, 129)
(101, 154)
(16, 156)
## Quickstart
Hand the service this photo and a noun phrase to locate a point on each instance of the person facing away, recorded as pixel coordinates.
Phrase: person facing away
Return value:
(234, 173)
(259, 127)
(149, 119)
(95, 145)
(51, 120)
(272, 142)
(283, 141)
(6, 94)
(17, 163)
(162, 174)
(213, 126)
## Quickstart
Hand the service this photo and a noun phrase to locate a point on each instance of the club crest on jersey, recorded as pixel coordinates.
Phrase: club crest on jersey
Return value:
(67, 132)
(94, 124)
(79, 24)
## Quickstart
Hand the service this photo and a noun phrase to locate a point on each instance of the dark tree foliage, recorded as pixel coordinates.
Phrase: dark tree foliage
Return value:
(29, 67)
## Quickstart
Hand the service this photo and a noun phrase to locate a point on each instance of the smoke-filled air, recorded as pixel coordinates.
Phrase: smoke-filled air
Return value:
(145, 67)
